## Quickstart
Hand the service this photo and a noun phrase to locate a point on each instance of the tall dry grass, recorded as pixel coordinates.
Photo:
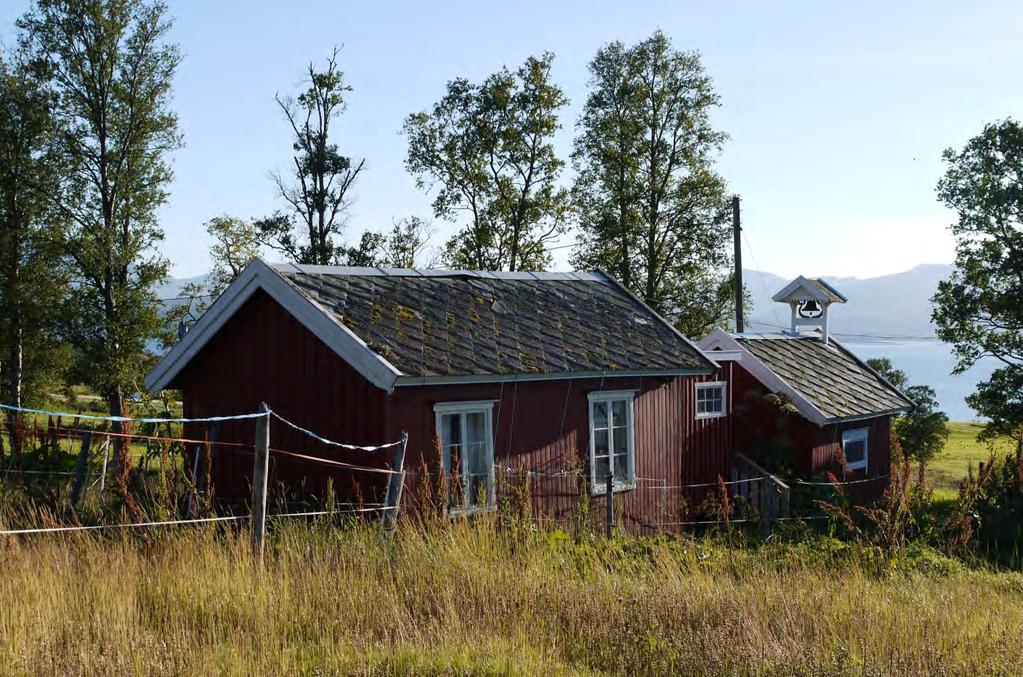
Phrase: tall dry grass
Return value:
(474, 598)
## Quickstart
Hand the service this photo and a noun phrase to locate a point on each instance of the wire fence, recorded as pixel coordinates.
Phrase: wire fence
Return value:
(549, 495)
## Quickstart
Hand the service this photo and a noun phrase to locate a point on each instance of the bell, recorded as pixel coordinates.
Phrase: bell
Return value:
(809, 309)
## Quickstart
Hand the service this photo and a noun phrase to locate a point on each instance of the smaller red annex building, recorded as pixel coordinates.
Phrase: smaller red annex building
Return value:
(805, 403)
(565, 376)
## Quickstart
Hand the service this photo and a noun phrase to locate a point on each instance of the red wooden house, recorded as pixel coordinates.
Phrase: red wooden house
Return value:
(805, 402)
(565, 375)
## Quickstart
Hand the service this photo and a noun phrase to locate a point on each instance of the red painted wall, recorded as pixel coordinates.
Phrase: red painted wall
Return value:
(264, 354)
(813, 448)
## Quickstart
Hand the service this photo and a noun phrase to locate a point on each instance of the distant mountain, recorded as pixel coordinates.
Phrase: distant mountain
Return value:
(896, 305)
(172, 286)
(892, 305)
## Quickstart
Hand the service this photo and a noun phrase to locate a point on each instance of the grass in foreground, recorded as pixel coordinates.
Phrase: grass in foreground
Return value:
(467, 599)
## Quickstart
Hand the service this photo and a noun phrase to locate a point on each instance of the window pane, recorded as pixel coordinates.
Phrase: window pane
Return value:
(620, 440)
(599, 415)
(621, 467)
(618, 412)
(600, 446)
(450, 429)
(601, 467)
(476, 427)
(451, 442)
(855, 451)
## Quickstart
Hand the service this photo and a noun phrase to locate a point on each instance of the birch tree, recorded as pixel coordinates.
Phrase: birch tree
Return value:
(111, 70)
(487, 149)
(650, 207)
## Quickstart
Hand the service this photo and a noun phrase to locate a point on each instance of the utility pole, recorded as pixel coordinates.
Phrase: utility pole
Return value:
(737, 232)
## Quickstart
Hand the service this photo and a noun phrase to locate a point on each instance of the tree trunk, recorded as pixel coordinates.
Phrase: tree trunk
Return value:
(15, 366)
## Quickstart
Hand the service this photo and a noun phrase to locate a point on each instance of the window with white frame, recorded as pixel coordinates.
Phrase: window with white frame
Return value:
(711, 399)
(466, 434)
(854, 446)
(611, 440)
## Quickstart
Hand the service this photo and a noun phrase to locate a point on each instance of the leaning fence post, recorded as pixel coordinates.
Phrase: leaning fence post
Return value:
(395, 483)
(259, 482)
(80, 467)
(610, 506)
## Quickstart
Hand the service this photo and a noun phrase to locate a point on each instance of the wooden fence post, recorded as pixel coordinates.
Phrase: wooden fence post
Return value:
(395, 483)
(610, 506)
(106, 460)
(80, 467)
(260, 470)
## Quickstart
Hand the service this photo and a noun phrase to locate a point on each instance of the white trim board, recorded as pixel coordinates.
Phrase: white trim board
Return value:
(721, 339)
(259, 275)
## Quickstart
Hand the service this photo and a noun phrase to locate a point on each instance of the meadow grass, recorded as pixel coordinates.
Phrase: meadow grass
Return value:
(472, 598)
(961, 452)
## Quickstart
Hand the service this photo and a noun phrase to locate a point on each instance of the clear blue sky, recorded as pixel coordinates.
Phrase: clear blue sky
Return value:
(838, 112)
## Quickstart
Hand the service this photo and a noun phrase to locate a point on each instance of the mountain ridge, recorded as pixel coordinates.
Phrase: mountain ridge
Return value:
(893, 306)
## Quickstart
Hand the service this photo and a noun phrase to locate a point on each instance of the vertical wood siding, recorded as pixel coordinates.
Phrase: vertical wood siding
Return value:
(264, 354)
(813, 448)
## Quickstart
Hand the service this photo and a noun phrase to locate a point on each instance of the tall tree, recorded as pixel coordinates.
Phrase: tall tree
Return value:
(979, 309)
(488, 147)
(234, 246)
(651, 209)
(923, 431)
(319, 192)
(33, 277)
(407, 243)
(111, 70)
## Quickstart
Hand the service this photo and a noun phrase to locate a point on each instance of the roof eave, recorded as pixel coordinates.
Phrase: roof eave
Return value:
(864, 417)
(465, 379)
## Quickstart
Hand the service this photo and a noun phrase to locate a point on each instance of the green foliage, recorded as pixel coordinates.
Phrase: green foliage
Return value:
(651, 209)
(235, 245)
(488, 148)
(407, 243)
(979, 310)
(319, 192)
(923, 431)
(33, 277)
(884, 367)
(369, 251)
(990, 507)
(111, 70)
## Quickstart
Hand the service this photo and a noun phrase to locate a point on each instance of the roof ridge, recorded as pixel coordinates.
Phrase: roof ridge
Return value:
(382, 271)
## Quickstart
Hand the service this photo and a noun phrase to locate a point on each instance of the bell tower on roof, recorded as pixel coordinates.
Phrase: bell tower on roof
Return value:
(809, 299)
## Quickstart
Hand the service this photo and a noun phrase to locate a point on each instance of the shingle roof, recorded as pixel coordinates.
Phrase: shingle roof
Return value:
(827, 375)
(804, 288)
(449, 323)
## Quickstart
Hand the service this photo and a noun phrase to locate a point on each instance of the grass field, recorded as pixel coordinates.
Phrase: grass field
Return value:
(472, 599)
(962, 451)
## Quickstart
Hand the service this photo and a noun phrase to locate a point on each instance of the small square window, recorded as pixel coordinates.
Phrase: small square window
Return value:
(855, 448)
(710, 399)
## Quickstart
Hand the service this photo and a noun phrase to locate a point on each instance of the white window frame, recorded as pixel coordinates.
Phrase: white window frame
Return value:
(707, 385)
(856, 435)
(598, 485)
(485, 407)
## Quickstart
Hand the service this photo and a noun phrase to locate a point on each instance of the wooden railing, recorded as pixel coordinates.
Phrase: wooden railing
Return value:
(764, 491)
